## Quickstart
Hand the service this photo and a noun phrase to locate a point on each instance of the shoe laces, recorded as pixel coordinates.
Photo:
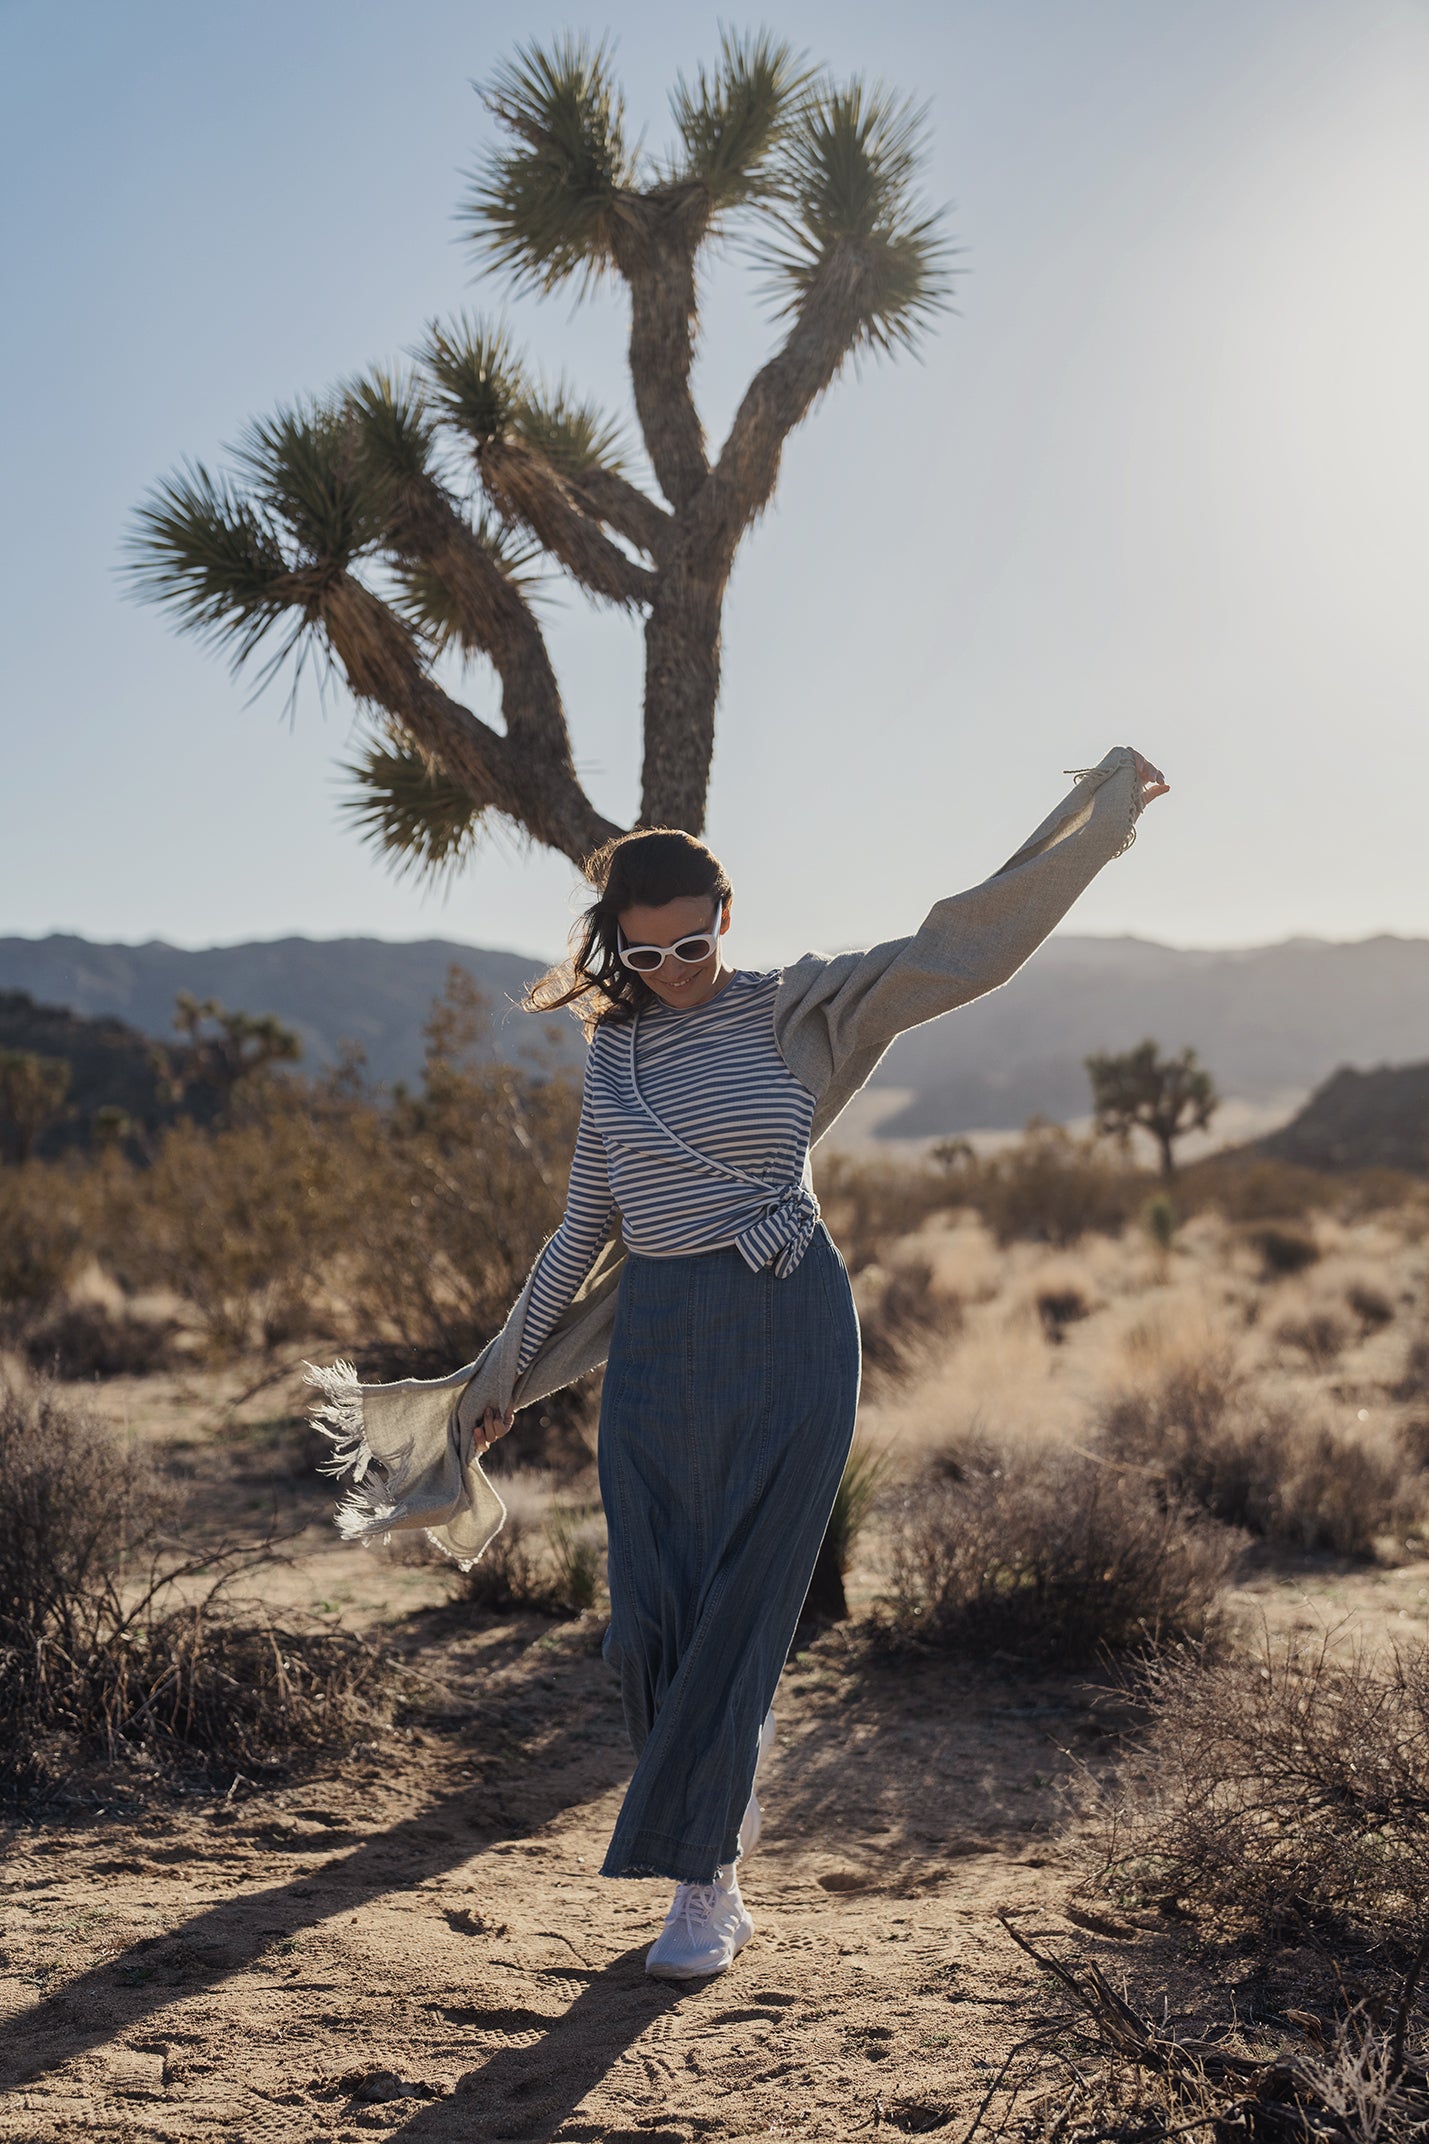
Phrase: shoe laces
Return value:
(695, 1904)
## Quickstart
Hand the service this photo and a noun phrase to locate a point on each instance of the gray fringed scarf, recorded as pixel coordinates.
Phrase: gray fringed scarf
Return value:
(410, 1447)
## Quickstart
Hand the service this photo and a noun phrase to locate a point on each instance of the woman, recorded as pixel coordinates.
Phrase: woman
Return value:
(724, 1313)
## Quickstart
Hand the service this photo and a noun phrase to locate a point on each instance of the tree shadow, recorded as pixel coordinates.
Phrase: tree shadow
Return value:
(201, 1953)
(528, 2093)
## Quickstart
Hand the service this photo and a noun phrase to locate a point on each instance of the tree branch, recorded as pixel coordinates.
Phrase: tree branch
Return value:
(513, 775)
(778, 398)
(655, 237)
(524, 484)
(609, 497)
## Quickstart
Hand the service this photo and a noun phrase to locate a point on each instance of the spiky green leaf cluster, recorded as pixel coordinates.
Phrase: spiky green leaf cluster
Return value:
(394, 427)
(424, 823)
(732, 119)
(476, 377)
(572, 436)
(541, 209)
(231, 558)
(205, 551)
(304, 465)
(849, 176)
(480, 388)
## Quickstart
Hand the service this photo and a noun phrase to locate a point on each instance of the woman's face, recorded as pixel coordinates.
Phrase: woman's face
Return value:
(679, 982)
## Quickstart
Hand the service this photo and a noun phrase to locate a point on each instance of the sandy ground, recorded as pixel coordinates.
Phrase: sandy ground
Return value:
(416, 1942)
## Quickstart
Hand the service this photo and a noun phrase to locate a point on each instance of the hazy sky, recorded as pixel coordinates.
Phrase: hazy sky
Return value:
(1160, 479)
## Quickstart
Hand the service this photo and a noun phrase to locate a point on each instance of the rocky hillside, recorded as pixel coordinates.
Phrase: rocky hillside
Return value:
(111, 1066)
(1361, 1120)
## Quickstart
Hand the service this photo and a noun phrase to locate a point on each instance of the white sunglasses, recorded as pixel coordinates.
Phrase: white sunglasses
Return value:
(645, 959)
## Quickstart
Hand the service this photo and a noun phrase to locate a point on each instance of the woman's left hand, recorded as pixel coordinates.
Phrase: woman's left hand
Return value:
(1153, 781)
(492, 1426)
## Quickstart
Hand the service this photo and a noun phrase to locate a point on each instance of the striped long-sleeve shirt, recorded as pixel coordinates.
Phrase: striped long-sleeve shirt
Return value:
(695, 1129)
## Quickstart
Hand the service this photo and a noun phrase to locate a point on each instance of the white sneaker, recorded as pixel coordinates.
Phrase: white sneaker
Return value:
(752, 1828)
(704, 1932)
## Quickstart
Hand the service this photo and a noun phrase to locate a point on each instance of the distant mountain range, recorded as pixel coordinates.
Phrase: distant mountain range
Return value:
(329, 991)
(1271, 1022)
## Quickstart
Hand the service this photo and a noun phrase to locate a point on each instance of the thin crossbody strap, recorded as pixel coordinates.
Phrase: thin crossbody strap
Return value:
(706, 1161)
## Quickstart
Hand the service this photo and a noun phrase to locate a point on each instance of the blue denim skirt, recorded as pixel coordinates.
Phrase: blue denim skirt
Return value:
(726, 1420)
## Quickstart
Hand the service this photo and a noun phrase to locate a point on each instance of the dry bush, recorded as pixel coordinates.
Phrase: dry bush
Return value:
(1291, 1475)
(548, 1557)
(1046, 1554)
(1370, 1305)
(1057, 1308)
(88, 1340)
(1413, 1381)
(869, 1204)
(1283, 1251)
(1047, 1187)
(1110, 2074)
(102, 1657)
(242, 1222)
(897, 1310)
(1245, 1189)
(41, 1234)
(1319, 1335)
(452, 1197)
(1287, 1787)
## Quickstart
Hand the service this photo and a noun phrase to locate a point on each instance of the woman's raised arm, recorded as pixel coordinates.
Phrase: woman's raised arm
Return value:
(835, 1017)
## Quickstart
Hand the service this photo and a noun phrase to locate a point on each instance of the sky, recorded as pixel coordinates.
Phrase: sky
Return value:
(1160, 478)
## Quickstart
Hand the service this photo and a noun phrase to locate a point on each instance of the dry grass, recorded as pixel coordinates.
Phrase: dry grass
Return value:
(106, 1655)
(549, 1556)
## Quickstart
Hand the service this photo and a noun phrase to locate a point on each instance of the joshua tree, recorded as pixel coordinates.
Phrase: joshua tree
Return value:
(344, 526)
(1167, 1097)
(244, 1043)
(32, 1095)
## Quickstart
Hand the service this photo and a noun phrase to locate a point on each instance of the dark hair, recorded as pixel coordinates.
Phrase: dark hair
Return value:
(643, 869)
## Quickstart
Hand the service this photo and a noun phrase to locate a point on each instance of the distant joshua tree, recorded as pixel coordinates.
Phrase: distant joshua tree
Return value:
(346, 526)
(243, 1043)
(32, 1096)
(1140, 1089)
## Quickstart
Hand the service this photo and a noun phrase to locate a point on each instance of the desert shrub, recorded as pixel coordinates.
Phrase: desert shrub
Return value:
(1284, 1251)
(1288, 1786)
(548, 1557)
(869, 1204)
(576, 1540)
(859, 1486)
(461, 1186)
(88, 1340)
(1292, 1476)
(1249, 1189)
(1370, 1305)
(1413, 1383)
(102, 1657)
(41, 1235)
(1049, 1555)
(1320, 1336)
(243, 1222)
(896, 1310)
(1047, 1187)
(1057, 1308)
(1161, 1218)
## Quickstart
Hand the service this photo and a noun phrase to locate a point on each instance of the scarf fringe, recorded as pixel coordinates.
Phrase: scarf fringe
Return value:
(367, 1511)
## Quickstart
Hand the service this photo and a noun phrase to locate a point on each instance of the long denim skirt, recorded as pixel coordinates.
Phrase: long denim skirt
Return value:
(727, 1417)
